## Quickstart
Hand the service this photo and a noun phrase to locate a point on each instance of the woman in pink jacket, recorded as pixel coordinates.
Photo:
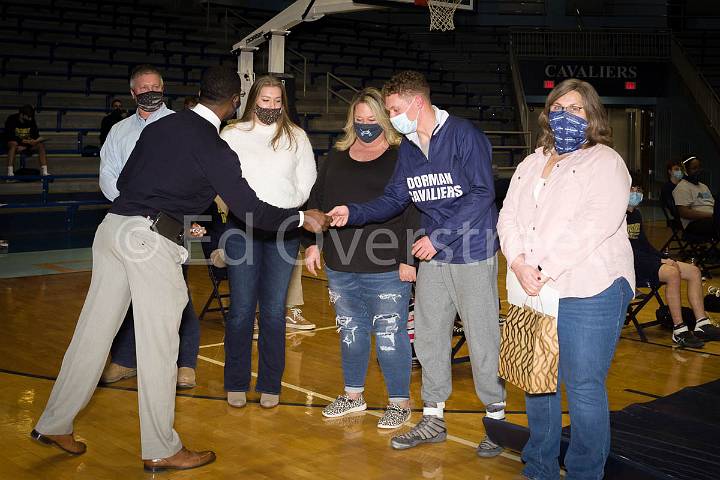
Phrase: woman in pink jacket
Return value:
(562, 225)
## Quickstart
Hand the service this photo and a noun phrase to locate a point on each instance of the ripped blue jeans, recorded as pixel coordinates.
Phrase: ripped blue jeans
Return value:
(367, 303)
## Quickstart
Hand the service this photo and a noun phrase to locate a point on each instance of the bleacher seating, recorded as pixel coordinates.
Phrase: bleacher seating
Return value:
(703, 48)
(70, 58)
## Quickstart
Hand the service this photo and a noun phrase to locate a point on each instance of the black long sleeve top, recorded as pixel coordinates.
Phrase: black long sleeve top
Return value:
(178, 166)
(375, 247)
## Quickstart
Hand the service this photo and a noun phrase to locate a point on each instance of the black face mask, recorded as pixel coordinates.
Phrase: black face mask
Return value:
(367, 132)
(268, 116)
(695, 178)
(149, 101)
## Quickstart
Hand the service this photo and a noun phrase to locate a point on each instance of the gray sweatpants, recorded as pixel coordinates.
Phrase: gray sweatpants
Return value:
(442, 290)
(129, 260)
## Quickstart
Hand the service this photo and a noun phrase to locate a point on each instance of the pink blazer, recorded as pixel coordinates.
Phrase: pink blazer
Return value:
(576, 229)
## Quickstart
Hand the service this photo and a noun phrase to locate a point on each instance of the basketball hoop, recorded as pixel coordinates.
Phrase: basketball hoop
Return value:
(442, 13)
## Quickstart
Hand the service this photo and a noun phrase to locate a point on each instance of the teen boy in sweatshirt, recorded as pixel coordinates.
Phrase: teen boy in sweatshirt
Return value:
(444, 168)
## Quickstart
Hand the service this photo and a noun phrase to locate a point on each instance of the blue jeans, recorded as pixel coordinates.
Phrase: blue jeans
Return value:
(122, 350)
(259, 268)
(588, 330)
(367, 303)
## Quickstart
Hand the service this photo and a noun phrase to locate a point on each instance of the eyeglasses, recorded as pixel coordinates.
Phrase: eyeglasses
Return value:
(570, 108)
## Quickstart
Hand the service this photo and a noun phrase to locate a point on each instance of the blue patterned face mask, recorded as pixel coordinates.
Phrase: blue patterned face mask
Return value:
(635, 199)
(568, 130)
(367, 132)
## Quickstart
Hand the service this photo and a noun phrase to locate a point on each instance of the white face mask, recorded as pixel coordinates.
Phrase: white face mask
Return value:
(403, 124)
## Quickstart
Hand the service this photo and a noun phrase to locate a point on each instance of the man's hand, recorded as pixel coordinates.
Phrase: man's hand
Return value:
(316, 221)
(423, 249)
(668, 261)
(340, 215)
(407, 273)
(312, 259)
(197, 230)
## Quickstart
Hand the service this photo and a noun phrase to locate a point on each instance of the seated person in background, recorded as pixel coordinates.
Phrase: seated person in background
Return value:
(190, 102)
(116, 114)
(22, 134)
(651, 268)
(675, 174)
(694, 201)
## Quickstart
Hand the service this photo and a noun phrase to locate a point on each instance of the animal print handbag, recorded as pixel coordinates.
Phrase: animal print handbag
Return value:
(529, 350)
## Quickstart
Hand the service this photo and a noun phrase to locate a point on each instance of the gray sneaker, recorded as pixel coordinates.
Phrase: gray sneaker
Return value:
(430, 429)
(343, 405)
(487, 448)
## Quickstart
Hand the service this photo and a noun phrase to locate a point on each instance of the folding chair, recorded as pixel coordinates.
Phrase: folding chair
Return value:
(702, 249)
(217, 276)
(675, 226)
(638, 303)
(215, 229)
(459, 333)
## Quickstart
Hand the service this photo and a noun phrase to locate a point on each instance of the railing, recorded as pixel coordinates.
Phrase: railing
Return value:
(592, 44)
(302, 71)
(702, 92)
(329, 92)
(520, 98)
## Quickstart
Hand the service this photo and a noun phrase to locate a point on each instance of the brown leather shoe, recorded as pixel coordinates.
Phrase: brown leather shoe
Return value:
(186, 378)
(183, 460)
(66, 443)
(115, 372)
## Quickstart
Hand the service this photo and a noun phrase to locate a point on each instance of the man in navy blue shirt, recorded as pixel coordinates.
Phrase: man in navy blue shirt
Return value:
(176, 169)
(445, 168)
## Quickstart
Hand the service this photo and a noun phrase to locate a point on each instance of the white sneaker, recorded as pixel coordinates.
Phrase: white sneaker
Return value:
(294, 319)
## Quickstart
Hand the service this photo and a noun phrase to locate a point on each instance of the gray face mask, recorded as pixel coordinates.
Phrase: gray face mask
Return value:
(149, 101)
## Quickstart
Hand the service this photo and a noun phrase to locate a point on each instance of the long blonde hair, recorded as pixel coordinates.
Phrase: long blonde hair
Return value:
(598, 129)
(374, 100)
(285, 126)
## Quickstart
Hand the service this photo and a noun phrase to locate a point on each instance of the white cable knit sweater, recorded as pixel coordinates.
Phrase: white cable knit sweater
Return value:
(282, 177)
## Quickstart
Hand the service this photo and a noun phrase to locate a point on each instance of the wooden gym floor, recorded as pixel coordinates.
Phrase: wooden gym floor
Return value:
(294, 440)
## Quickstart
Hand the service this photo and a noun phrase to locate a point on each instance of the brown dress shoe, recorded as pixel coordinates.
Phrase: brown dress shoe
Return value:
(115, 372)
(183, 460)
(186, 378)
(66, 443)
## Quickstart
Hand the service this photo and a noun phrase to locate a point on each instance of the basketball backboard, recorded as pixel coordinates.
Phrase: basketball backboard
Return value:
(466, 5)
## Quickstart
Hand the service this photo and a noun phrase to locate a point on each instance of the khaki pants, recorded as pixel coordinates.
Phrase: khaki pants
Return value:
(295, 292)
(129, 261)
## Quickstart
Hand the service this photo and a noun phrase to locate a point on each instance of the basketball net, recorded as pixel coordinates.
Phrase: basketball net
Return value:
(442, 13)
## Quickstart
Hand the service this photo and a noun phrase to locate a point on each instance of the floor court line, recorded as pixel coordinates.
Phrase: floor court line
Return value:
(453, 438)
(294, 332)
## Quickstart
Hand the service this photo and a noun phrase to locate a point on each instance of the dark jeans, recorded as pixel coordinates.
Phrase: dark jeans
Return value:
(259, 269)
(588, 330)
(122, 351)
(704, 228)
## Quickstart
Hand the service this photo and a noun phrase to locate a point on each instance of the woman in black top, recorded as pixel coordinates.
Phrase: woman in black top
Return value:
(651, 268)
(369, 269)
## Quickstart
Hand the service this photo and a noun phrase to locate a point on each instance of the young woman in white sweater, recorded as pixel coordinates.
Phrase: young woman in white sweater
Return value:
(277, 161)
